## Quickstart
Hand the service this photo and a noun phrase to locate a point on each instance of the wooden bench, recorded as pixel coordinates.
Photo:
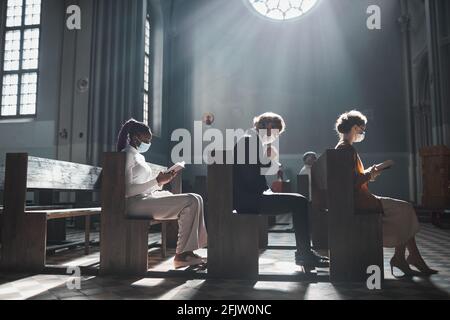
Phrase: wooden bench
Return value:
(318, 221)
(124, 240)
(318, 209)
(354, 236)
(27, 208)
(303, 185)
(21, 226)
(24, 231)
(233, 238)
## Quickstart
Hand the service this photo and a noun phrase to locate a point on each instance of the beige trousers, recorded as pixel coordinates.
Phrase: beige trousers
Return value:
(163, 205)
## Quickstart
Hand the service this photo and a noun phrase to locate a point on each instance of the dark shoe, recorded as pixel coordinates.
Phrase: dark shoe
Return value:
(320, 256)
(311, 260)
(403, 266)
(188, 260)
(421, 266)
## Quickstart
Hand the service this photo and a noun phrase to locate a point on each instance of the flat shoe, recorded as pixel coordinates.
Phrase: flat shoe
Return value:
(188, 261)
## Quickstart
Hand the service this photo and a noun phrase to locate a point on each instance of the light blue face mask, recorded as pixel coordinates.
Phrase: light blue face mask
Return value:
(144, 147)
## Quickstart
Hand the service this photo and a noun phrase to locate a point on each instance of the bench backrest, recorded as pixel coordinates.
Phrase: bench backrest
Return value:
(113, 177)
(303, 185)
(43, 174)
(319, 183)
(123, 241)
(232, 238)
(333, 183)
(355, 237)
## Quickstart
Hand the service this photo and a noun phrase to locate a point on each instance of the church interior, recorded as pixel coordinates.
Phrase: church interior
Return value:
(73, 72)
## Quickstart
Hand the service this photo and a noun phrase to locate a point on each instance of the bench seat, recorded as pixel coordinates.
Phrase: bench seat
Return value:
(66, 213)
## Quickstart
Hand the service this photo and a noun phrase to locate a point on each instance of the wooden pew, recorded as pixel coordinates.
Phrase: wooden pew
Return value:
(318, 222)
(233, 239)
(318, 216)
(303, 185)
(24, 231)
(124, 240)
(200, 187)
(354, 236)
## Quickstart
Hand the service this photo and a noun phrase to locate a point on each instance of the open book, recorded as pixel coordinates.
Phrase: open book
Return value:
(177, 167)
(385, 165)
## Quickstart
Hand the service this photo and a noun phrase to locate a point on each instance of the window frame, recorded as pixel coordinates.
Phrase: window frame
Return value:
(22, 28)
(148, 92)
(286, 21)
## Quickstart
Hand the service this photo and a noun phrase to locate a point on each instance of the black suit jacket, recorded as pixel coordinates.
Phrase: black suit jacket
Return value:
(248, 181)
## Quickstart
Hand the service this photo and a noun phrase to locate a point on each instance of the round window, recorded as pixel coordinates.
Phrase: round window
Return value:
(283, 9)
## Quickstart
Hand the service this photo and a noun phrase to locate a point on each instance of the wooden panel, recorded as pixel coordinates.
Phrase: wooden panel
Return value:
(56, 231)
(263, 232)
(355, 240)
(67, 213)
(61, 175)
(123, 242)
(2, 176)
(232, 238)
(23, 236)
(319, 173)
(319, 207)
(303, 185)
(35, 208)
(436, 177)
(200, 186)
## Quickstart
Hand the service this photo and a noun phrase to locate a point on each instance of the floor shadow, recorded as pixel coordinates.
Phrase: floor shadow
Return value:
(116, 288)
(416, 288)
(213, 289)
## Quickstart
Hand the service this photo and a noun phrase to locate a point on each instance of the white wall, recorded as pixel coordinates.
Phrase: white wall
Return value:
(38, 136)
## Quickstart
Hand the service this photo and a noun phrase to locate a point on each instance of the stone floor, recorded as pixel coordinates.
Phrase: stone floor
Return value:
(281, 278)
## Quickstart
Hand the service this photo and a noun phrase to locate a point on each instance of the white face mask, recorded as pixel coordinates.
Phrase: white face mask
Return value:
(144, 147)
(266, 140)
(360, 137)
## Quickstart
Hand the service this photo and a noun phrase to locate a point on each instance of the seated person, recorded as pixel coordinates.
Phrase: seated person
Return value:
(146, 200)
(251, 194)
(400, 223)
(309, 158)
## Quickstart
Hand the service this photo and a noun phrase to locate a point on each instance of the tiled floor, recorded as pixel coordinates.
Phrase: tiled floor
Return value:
(433, 242)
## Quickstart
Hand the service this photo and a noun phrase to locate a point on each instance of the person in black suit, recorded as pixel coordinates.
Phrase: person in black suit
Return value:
(255, 156)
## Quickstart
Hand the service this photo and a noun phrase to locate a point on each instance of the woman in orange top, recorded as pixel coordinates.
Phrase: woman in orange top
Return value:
(400, 223)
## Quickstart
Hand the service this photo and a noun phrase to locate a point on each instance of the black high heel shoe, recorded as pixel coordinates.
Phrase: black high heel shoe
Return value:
(403, 266)
(423, 268)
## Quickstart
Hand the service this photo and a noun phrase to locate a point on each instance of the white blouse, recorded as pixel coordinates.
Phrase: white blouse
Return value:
(139, 179)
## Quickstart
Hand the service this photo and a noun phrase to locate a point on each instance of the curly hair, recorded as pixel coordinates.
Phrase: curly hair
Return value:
(348, 120)
(262, 121)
